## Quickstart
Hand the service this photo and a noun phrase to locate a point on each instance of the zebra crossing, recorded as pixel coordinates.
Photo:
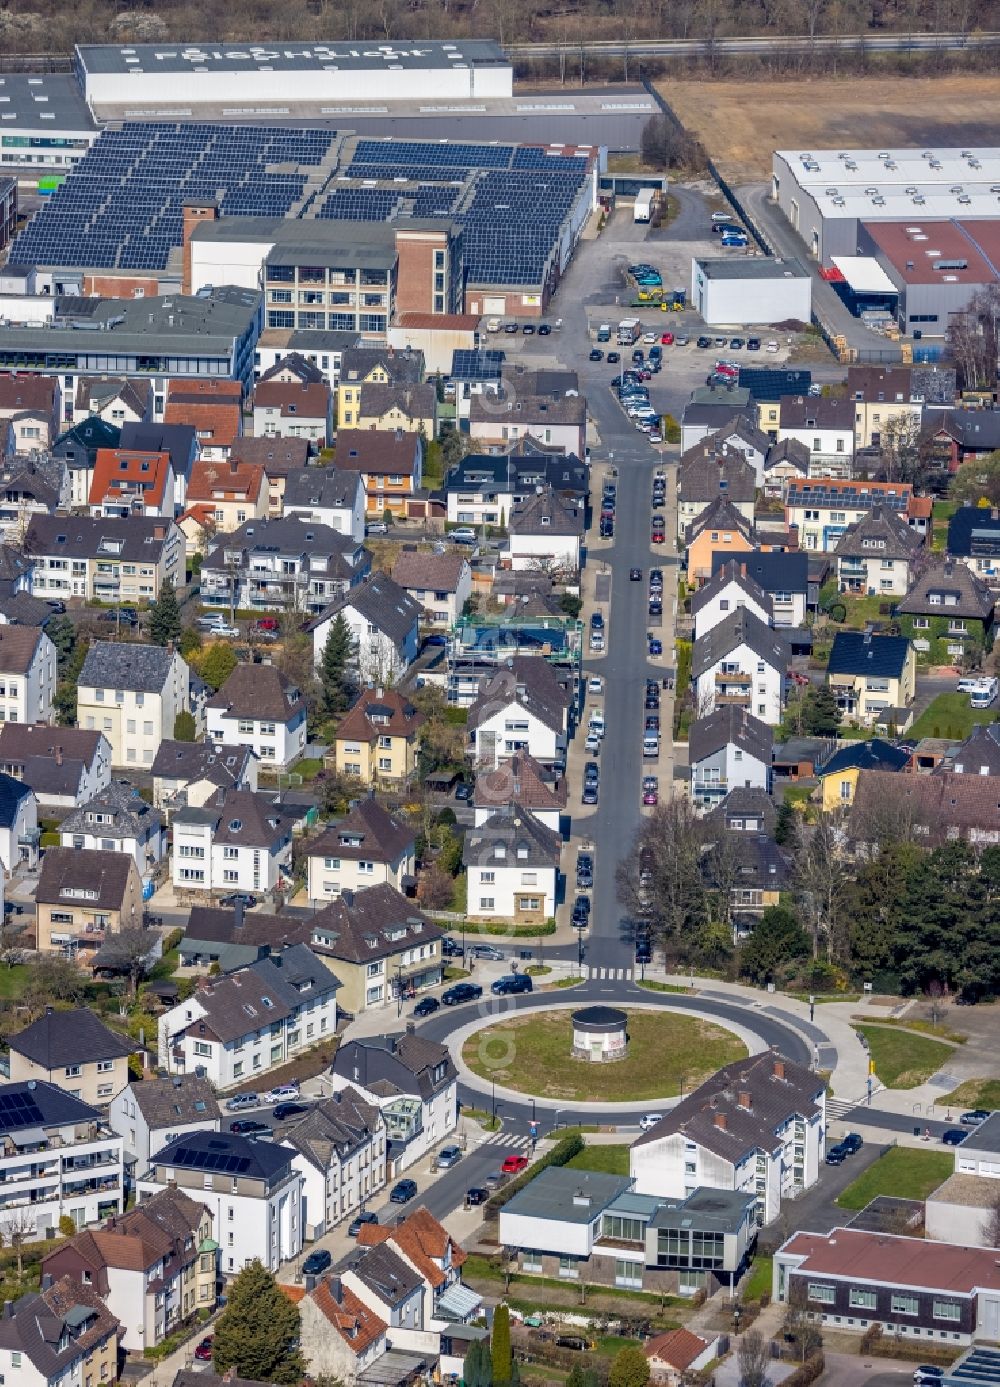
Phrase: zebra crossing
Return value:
(510, 1143)
(598, 974)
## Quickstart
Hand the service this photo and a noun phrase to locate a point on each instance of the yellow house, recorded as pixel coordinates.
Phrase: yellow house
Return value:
(411, 408)
(74, 1050)
(720, 527)
(361, 366)
(368, 847)
(871, 674)
(769, 417)
(838, 778)
(882, 401)
(377, 738)
(229, 493)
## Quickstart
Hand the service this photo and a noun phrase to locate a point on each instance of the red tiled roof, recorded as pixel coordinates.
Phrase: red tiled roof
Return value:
(358, 1326)
(123, 469)
(225, 481)
(679, 1348)
(298, 400)
(853, 1255)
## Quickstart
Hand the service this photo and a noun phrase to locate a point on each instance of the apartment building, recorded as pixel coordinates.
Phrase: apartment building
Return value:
(368, 847)
(27, 674)
(129, 482)
(389, 461)
(377, 739)
(147, 1114)
(282, 565)
(75, 1051)
(236, 841)
(114, 559)
(260, 708)
(133, 694)
(225, 494)
(340, 1146)
(381, 946)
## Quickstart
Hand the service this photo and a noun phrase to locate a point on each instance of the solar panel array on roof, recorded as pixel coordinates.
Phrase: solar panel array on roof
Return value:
(19, 1110)
(222, 1161)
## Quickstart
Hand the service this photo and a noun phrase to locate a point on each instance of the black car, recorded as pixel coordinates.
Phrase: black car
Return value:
(461, 992)
(596, 354)
(404, 1190)
(614, 358)
(591, 771)
(703, 343)
(544, 329)
(652, 701)
(427, 1006)
(56, 604)
(358, 1222)
(852, 1143)
(286, 1110)
(581, 909)
(246, 1126)
(451, 948)
(836, 1155)
(607, 528)
(753, 344)
(954, 1136)
(584, 871)
(242, 898)
(655, 607)
(635, 575)
(476, 1196)
(656, 578)
(528, 329)
(464, 791)
(316, 1262)
(643, 951)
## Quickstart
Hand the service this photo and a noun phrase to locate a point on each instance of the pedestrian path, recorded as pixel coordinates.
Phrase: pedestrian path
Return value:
(610, 974)
(509, 1143)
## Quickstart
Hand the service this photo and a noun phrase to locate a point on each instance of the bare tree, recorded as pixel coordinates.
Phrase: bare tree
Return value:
(18, 1228)
(661, 881)
(819, 880)
(131, 949)
(752, 1359)
(990, 1226)
(974, 338)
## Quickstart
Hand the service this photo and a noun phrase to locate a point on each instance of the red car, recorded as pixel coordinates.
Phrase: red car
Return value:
(667, 339)
(513, 1165)
(203, 1352)
(658, 536)
(267, 623)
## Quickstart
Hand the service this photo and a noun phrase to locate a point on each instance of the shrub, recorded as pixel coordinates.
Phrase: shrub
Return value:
(809, 1372)
(66, 1226)
(561, 1154)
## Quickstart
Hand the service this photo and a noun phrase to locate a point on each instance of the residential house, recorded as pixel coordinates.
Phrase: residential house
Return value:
(153, 1267)
(933, 809)
(293, 409)
(62, 1333)
(757, 1126)
(132, 693)
(75, 1051)
(224, 494)
(233, 937)
(368, 847)
(179, 440)
(711, 408)
(410, 408)
(736, 434)
(970, 434)
(767, 386)
(522, 783)
(27, 674)
(440, 582)
(340, 1146)
(389, 1286)
(473, 372)
(704, 476)
(260, 708)
(728, 749)
(974, 539)
(64, 766)
(188, 773)
(213, 408)
(126, 482)
(675, 1354)
(114, 400)
(236, 841)
(825, 426)
(15, 573)
(77, 449)
(18, 824)
(512, 862)
(979, 754)
(728, 589)
(719, 529)
(744, 811)
(361, 366)
(545, 532)
(483, 488)
(522, 706)
(838, 777)
(341, 1336)
(114, 559)
(948, 613)
(891, 399)
(389, 462)
(412, 1080)
(29, 487)
(148, 1114)
(279, 457)
(877, 555)
(117, 819)
(742, 662)
(787, 461)
(378, 737)
(428, 1248)
(384, 622)
(592, 1226)
(327, 496)
(83, 895)
(869, 673)
(59, 1157)
(251, 1021)
(251, 1189)
(554, 421)
(282, 565)
(381, 947)
(937, 1293)
(784, 577)
(30, 404)
(821, 509)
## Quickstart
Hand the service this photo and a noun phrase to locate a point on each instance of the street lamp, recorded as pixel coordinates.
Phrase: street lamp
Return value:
(399, 989)
(493, 1085)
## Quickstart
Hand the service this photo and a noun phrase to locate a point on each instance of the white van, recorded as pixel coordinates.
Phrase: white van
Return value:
(985, 694)
(650, 745)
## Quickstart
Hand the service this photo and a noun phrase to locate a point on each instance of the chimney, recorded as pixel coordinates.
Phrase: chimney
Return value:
(234, 465)
(8, 1309)
(238, 911)
(59, 756)
(721, 1121)
(46, 1281)
(779, 1068)
(745, 1100)
(581, 1200)
(336, 1287)
(192, 214)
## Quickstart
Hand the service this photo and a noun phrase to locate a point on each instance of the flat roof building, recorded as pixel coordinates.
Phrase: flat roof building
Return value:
(936, 266)
(47, 125)
(755, 289)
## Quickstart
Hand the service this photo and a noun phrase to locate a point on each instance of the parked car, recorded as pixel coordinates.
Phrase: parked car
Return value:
(451, 948)
(585, 871)
(513, 1165)
(580, 917)
(510, 984)
(461, 992)
(753, 344)
(596, 354)
(402, 1191)
(286, 1110)
(236, 898)
(448, 1156)
(975, 1117)
(427, 1006)
(203, 1352)
(614, 358)
(595, 684)
(358, 1222)
(655, 646)
(281, 1092)
(643, 950)
(650, 790)
(649, 1120)
(56, 604)
(954, 1136)
(266, 623)
(928, 1375)
(489, 951)
(572, 1341)
(316, 1262)
(239, 1101)
(590, 794)
(477, 1195)
(248, 1126)
(221, 629)
(836, 1155)
(464, 791)
(853, 1143)
(465, 534)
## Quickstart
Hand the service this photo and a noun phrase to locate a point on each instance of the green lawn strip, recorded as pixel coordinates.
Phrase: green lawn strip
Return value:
(610, 1159)
(479, 1268)
(819, 999)
(917, 1025)
(652, 986)
(760, 1279)
(975, 1093)
(902, 1172)
(480, 1115)
(309, 767)
(949, 715)
(667, 1053)
(902, 1059)
(13, 980)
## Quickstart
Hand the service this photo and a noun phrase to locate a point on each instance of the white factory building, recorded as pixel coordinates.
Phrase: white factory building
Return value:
(235, 79)
(826, 193)
(751, 290)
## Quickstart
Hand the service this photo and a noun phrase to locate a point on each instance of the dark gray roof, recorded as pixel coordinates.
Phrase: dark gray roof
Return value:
(179, 440)
(974, 429)
(132, 539)
(130, 815)
(773, 571)
(291, 535)
(401, 367)
(520, 472)
(567, 1196)
(376, 923)
(381, 602)
(386, 1274)
(204, 1150)
(259, 691)
(253, 929)
(858, 652)
(221, 763)
(57, 1327)
(339, 1124)
(730, 572)
(881, 534)
(973, 530)
(59, 1038)
(730, 725)
(267, 991)
(532, 682)
(719, 514)
(817, 411)
(21, 609)
(66, 871)
(973, 599)
(703, 476)
(875, 755)
(706, 1209)
(545, 513)
(126, 665)
(530, 410)
(979, 754)
(738, 628)
(404, 1064)
(744, 802)
(325, 487)
(12, 792)
(368, 831)
(241, 818)
(791, 450)
(526, 842)
(173, 1102)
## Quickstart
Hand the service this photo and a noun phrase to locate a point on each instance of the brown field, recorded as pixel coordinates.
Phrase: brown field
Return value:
(740, 123)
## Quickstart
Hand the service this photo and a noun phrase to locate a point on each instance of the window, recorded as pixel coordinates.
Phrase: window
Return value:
(531, 1260)
(862, 1300)
(568, 1269)
(823, 1295)
(105, 1066)
(946, 1310)
(628, 1273)
(485, 902)
(904, 1305)
(72, 1071)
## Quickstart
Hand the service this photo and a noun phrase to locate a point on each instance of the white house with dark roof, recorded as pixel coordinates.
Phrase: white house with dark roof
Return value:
(705, 474)
(261, 708)
(236, 841)
(512, 861)
(189, 773)
(340, 1146)
(520, 707)
(728, 590)
(61, 1334)
(758, 1126)
(114, 559)
(824, 425)
(64, 766)
(384, 621)
(117, 820)
(440, 582)
(27, 674)
(149, 1114)
(326, 496)
(252, 1020)
(19, 834)
(133, 694)
(877, 555)
(545, 533)
(368, 847)
(728, 749)
(743, 662)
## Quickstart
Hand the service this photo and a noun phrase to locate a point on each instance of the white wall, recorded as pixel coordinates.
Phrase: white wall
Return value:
(241, 1223)
(275, 743)
(548, 1235)
(751, 300)
(717, 609)
(508, 882)
(527, 552)
(768, 685)
(216, 261)
(516, 729)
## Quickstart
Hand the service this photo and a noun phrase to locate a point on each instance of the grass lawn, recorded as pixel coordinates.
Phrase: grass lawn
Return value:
(798, 794)
(760, 1280)
(904, 1060)
(611, 1159)
(902, 1172)
(652, 986)
(862, 609)
(12, 980)
(309, 767)
(949, 715)
(975, 1093)
(667, 1053)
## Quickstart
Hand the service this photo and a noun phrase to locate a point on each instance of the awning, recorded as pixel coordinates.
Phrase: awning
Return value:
(392, 1369)
(458, 1302)
(864, 275)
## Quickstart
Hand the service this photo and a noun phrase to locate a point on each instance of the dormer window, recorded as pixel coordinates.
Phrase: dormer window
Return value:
(499, 850)
(235, 825)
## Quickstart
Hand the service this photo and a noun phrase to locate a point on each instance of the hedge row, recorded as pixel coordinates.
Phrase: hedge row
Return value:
(561, 1154)
(809, 1372)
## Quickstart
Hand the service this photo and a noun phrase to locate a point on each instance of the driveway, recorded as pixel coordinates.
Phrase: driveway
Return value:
(815, 1209)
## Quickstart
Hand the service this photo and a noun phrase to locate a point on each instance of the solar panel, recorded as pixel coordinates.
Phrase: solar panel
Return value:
(20, 1109)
